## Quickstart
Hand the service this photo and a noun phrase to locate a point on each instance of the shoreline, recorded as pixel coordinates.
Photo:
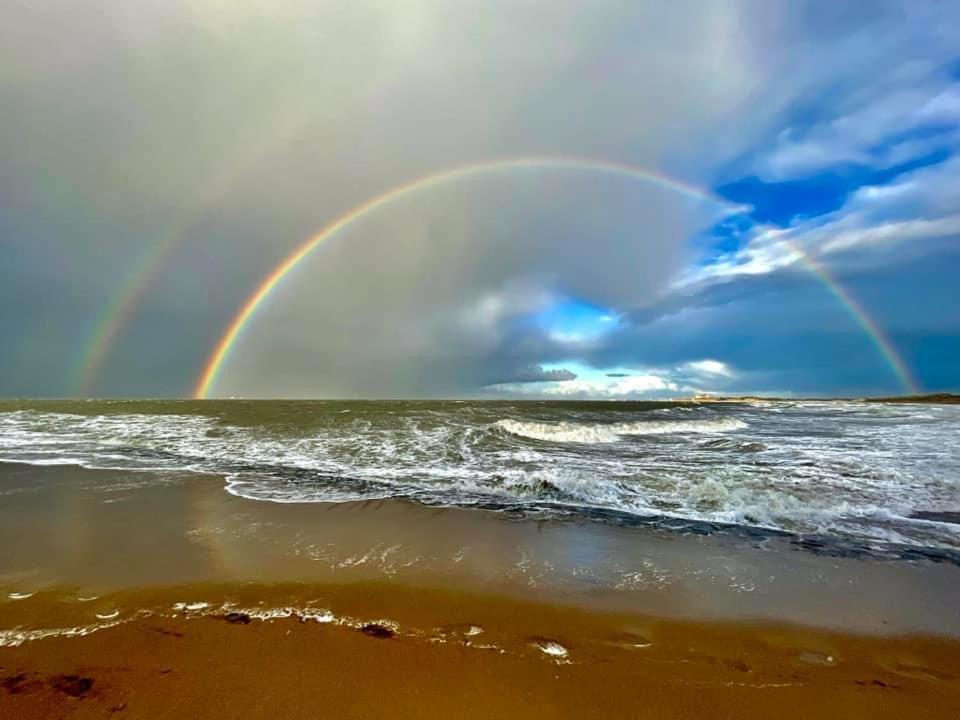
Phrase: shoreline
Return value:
(102, 532)
(120, 591)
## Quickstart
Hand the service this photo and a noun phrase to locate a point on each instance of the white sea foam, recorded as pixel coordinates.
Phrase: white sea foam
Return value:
(17, 636)
(190, 606)
(304, 614)
(551, 648)
(604, 433)
(851, 469)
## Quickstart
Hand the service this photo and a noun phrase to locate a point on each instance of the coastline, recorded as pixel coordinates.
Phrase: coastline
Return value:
(100, 532)
(924, 399)
(116, 587)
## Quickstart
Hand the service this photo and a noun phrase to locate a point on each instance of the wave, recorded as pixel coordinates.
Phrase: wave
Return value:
(862, 475)
(566, 432)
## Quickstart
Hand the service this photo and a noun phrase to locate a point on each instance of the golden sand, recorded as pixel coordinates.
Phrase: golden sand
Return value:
(115, 597)
(376, 650)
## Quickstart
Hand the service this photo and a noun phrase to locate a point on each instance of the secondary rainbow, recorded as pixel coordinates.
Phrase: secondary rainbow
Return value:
(122, 306)
(233, 331)
(118, 313)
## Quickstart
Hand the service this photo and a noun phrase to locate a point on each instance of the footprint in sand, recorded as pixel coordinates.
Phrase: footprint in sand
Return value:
(20, 684)
(73, 685)
(378, 631)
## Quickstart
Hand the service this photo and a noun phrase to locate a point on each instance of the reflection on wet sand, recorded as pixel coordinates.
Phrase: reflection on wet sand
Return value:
(103, 531)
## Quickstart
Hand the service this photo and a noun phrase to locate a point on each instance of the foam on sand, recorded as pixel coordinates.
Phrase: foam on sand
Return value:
(550, 647)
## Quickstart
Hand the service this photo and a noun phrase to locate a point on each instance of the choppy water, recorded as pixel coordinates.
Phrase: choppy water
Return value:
(854, 473)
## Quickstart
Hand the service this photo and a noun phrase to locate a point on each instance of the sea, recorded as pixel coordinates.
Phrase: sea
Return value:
(833, 476)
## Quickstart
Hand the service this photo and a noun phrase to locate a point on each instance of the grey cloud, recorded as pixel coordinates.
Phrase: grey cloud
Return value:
(847, 80)
(220, 135)
(786, 330)
(536, 373)
(232, 130)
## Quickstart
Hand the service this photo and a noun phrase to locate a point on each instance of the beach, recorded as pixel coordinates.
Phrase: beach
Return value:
(176, 599)
(417, 653)
(172, 590)
(460, 359)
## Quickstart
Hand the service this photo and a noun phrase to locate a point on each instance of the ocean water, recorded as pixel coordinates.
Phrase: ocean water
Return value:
(866, 477)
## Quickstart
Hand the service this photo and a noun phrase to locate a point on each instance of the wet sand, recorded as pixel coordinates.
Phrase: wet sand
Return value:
(372, 650)
(114, 589)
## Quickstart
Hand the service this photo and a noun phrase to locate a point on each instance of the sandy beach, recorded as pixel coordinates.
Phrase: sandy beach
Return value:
(147, 597)
(414, 653)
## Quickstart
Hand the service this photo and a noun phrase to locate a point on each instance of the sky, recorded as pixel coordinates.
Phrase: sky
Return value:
(784, 219)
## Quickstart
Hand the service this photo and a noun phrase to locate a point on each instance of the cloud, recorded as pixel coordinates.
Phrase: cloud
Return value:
(433, 295)
(536, 373)
(232, 131)
(634, 387)
(877, 134)
(873, 89)
(710, 367)
(220, 135)
(915, 214)
(646, 382)
(785, 331)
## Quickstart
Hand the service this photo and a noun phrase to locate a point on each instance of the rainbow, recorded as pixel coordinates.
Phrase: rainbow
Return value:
(121, 309)
(234, 330)
(122, 306)
(869, 325)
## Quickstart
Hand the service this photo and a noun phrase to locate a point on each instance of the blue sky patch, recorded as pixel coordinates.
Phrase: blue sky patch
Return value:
(572, 320)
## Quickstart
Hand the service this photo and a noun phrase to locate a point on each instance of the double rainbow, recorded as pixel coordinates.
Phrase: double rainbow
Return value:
(122, 309)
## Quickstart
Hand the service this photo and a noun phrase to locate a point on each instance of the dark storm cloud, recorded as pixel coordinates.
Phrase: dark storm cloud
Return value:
(237, 128)
(228, 132)
(787, 331)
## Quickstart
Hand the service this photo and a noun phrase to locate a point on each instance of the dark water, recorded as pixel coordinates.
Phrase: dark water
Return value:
(860, 477)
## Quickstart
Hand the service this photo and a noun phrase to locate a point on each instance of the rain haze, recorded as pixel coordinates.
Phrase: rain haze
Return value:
(656, 199)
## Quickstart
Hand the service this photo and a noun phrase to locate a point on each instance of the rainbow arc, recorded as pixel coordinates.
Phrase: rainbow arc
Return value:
(234, 330)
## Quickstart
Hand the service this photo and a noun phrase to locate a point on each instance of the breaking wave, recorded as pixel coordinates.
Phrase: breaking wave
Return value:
(566, 432)
(862, 472)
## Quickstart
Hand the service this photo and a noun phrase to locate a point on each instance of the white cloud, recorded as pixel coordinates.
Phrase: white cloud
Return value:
(871, 131)
(710, 367)
(653, 382)
(635, 386)
(893, 232)
(914, 214)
